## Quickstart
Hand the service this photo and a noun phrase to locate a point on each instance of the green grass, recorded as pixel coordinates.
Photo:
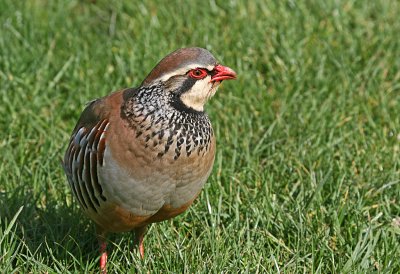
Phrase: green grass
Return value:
(306, 178)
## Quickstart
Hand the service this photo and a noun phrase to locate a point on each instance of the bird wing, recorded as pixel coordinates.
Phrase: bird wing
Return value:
(84, 154)
(98, 181)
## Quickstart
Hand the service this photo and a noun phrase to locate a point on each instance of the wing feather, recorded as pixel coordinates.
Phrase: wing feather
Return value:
(82, 158)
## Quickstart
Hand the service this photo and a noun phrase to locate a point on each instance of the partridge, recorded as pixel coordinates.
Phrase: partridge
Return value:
(142, 155)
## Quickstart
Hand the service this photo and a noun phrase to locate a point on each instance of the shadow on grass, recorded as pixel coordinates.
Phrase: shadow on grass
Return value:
(49, 229)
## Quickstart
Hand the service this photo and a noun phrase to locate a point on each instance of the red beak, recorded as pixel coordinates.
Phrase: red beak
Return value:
(222, 73)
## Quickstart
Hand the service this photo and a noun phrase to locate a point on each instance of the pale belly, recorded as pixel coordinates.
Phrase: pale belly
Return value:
(150, 191)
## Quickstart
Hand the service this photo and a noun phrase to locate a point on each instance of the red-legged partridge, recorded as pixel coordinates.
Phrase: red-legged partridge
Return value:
(142, 155)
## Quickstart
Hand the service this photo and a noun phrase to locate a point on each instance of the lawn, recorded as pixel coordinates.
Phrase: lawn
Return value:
(307, 172)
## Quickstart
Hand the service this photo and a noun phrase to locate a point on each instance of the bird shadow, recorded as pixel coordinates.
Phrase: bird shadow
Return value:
(49, 229)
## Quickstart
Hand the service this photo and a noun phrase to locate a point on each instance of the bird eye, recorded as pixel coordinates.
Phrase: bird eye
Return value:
(198, 73)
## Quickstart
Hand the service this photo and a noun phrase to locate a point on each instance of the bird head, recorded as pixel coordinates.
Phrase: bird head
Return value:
(190, 75)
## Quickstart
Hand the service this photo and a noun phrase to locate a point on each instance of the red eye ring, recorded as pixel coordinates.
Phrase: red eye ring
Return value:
(198, 73)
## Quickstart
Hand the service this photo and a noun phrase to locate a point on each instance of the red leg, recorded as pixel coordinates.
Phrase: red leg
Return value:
(139, 236)
(101, 235)
(141, 248)
(103, 258)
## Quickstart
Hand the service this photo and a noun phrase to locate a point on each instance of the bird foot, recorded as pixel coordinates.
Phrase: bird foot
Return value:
(103, 258)
(139, 236)
(141, 249)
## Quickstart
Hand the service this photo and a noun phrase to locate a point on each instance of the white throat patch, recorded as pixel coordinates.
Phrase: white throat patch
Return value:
(199, 94)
